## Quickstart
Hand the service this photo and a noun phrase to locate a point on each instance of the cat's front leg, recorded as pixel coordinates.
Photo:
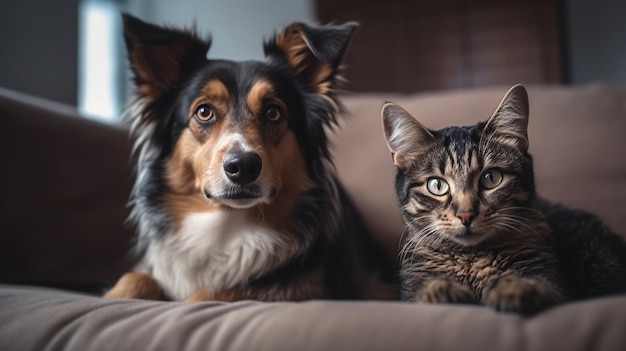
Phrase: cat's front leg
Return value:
(514, 293)
(444, 290)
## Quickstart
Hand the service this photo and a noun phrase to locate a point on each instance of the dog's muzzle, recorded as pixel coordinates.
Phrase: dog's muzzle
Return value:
(240, 186)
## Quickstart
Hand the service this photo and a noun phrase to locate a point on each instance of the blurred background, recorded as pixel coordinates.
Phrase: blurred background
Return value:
(71, 51)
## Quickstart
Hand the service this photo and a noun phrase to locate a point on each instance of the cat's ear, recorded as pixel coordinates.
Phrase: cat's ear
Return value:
(510, 120)
(158, 56)
(404, 135)
(314, 53)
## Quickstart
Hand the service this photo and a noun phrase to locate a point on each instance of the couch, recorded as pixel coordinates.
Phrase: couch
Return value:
(63, 238)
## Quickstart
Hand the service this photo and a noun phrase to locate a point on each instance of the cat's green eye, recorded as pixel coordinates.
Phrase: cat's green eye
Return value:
(491, 178)
(437, 186)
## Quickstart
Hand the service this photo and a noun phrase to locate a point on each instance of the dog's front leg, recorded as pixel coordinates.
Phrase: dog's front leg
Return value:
(223, 295)
(136, 285)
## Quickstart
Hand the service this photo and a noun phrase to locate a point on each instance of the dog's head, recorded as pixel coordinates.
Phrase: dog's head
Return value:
(237, 133)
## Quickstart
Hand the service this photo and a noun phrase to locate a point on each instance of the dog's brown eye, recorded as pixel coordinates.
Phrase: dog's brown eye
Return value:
(273, 113)
(204, 113)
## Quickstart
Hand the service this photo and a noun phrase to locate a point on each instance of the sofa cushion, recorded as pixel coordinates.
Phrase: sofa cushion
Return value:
(41, 319)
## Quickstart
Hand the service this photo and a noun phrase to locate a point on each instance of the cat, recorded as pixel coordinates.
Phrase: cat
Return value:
(476, 231)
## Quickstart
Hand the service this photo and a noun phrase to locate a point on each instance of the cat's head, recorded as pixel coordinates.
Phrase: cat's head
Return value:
(464, 184)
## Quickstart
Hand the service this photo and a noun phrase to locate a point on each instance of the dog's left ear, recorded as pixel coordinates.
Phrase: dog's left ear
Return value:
(159, 56)
(313, 52)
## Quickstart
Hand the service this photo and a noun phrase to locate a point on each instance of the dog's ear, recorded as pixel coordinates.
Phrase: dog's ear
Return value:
(313, 52)
(159, 56)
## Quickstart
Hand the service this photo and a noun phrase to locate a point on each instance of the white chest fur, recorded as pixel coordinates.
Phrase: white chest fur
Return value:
(216, 250)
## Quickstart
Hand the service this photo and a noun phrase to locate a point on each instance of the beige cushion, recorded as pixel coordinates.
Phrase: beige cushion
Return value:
(36, 319)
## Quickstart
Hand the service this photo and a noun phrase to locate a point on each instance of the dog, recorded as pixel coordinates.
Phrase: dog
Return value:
(236, 196)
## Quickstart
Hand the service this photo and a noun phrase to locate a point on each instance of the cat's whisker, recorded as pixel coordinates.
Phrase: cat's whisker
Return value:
(417, 239)
(504, 226)
(520, 209)
(409, 247)
(517, 225)
(535, 221)
(406, 247)
(409, 225)
(407, 228)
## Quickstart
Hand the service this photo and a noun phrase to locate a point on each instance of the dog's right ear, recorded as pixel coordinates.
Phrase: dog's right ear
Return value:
(313, 52)
(404, 135)
(159, 56)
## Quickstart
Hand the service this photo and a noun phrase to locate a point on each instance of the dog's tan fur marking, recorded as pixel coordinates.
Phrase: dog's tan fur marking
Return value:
(259, 93)
(224, 295)
(136, 285)
(181, 174)
(292, 180)
(260, 96)
(180, 206)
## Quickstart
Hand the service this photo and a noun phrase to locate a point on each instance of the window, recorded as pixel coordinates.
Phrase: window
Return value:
(101, 89)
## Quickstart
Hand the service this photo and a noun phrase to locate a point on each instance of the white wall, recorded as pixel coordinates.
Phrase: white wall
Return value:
(238, 27)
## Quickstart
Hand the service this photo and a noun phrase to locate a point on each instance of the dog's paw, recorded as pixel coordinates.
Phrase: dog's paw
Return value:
(207, 295)
(518, 294)
(201, 295)
(136, 285)
(445, 291)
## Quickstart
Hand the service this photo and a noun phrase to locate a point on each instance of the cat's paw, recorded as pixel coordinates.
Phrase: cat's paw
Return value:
(445, 291)
(518, 294)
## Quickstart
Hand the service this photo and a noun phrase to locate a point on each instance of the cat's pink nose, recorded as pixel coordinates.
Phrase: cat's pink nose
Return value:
(466, 217)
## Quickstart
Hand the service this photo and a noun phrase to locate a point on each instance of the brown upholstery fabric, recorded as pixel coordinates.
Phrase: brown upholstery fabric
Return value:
(64, 186)
(63, 191)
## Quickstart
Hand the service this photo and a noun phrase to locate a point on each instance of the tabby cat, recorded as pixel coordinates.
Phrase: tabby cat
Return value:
(476, 231)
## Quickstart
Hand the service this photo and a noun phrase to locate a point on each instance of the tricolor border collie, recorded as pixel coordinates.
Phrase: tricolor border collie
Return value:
(236, 196)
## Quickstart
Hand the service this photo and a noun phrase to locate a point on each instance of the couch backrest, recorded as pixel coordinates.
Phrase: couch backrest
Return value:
(64, 187)
(63, 204)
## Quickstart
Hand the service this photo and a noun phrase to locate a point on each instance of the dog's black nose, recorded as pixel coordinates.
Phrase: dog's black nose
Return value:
(242, 167)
